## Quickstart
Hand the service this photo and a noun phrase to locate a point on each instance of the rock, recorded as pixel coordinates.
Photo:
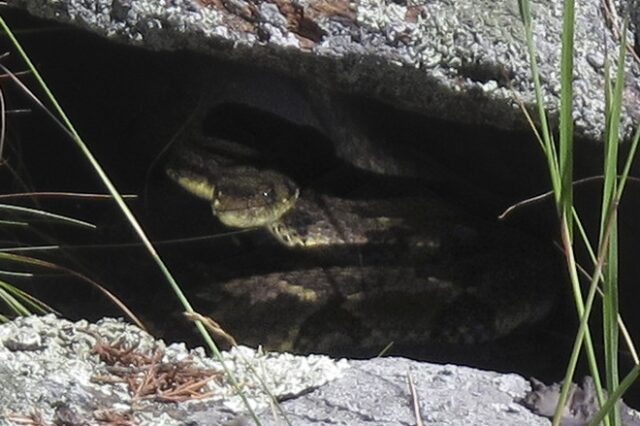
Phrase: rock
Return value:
(461, 61)
(377, 392)
(72, 374)
(582, 403)
(90, 371)
(447, 59)
(58, 371)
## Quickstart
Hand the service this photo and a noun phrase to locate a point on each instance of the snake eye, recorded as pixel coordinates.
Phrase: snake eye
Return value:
(269, 195)
(216, 194)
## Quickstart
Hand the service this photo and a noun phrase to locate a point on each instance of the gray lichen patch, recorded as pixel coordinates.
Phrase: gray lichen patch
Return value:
(458, 60)
(56, 369)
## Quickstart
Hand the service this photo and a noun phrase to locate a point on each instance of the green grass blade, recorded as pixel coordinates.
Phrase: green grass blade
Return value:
(565, 164)
(566, 209)
(47, 215)
(583, 336)
(35, 303)
(11, 301)
(627, 166)
(629, 379)
(610, 311)
(12, 257)
(27, 299)
(129, 215)
(612, 141)
(14, 223)
(560, 165)
(16, 274)
(583, 236)
(548, 145)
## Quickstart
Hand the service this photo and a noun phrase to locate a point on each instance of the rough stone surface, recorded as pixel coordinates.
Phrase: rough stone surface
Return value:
(49, 365)
(377, 392)
(582, 403)
(47, 368)
(459, 60)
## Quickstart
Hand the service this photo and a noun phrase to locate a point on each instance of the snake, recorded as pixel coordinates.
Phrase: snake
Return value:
(410, 269)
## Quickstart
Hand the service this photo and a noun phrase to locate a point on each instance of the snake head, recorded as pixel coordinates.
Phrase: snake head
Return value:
(246, 198)
(241, 196)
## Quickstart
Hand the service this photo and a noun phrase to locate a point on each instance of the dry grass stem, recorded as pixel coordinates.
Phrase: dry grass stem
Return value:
(415, 403)
(211, 325)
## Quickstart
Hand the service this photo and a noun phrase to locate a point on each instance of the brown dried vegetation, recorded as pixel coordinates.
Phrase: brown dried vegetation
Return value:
(148, 377)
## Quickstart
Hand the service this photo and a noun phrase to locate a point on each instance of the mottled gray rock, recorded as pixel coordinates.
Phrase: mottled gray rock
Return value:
(582, 403)
(377, 392)
(47, 368)
(459, 60)
(54, 368)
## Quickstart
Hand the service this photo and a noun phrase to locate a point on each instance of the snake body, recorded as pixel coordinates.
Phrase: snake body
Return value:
(403, 269)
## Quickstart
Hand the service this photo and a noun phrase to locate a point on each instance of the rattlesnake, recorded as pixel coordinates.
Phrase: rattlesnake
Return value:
(409, 268)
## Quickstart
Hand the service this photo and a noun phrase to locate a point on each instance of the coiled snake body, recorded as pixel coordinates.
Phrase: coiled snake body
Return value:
(409, 269)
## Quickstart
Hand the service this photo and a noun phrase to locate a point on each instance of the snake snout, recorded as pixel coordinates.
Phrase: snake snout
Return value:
(254, 200)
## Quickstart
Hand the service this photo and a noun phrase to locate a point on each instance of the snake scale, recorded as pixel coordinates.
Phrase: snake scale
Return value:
(404, 268)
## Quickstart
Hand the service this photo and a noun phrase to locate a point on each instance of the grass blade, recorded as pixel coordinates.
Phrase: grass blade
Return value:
(47, 215)
(128, 215)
